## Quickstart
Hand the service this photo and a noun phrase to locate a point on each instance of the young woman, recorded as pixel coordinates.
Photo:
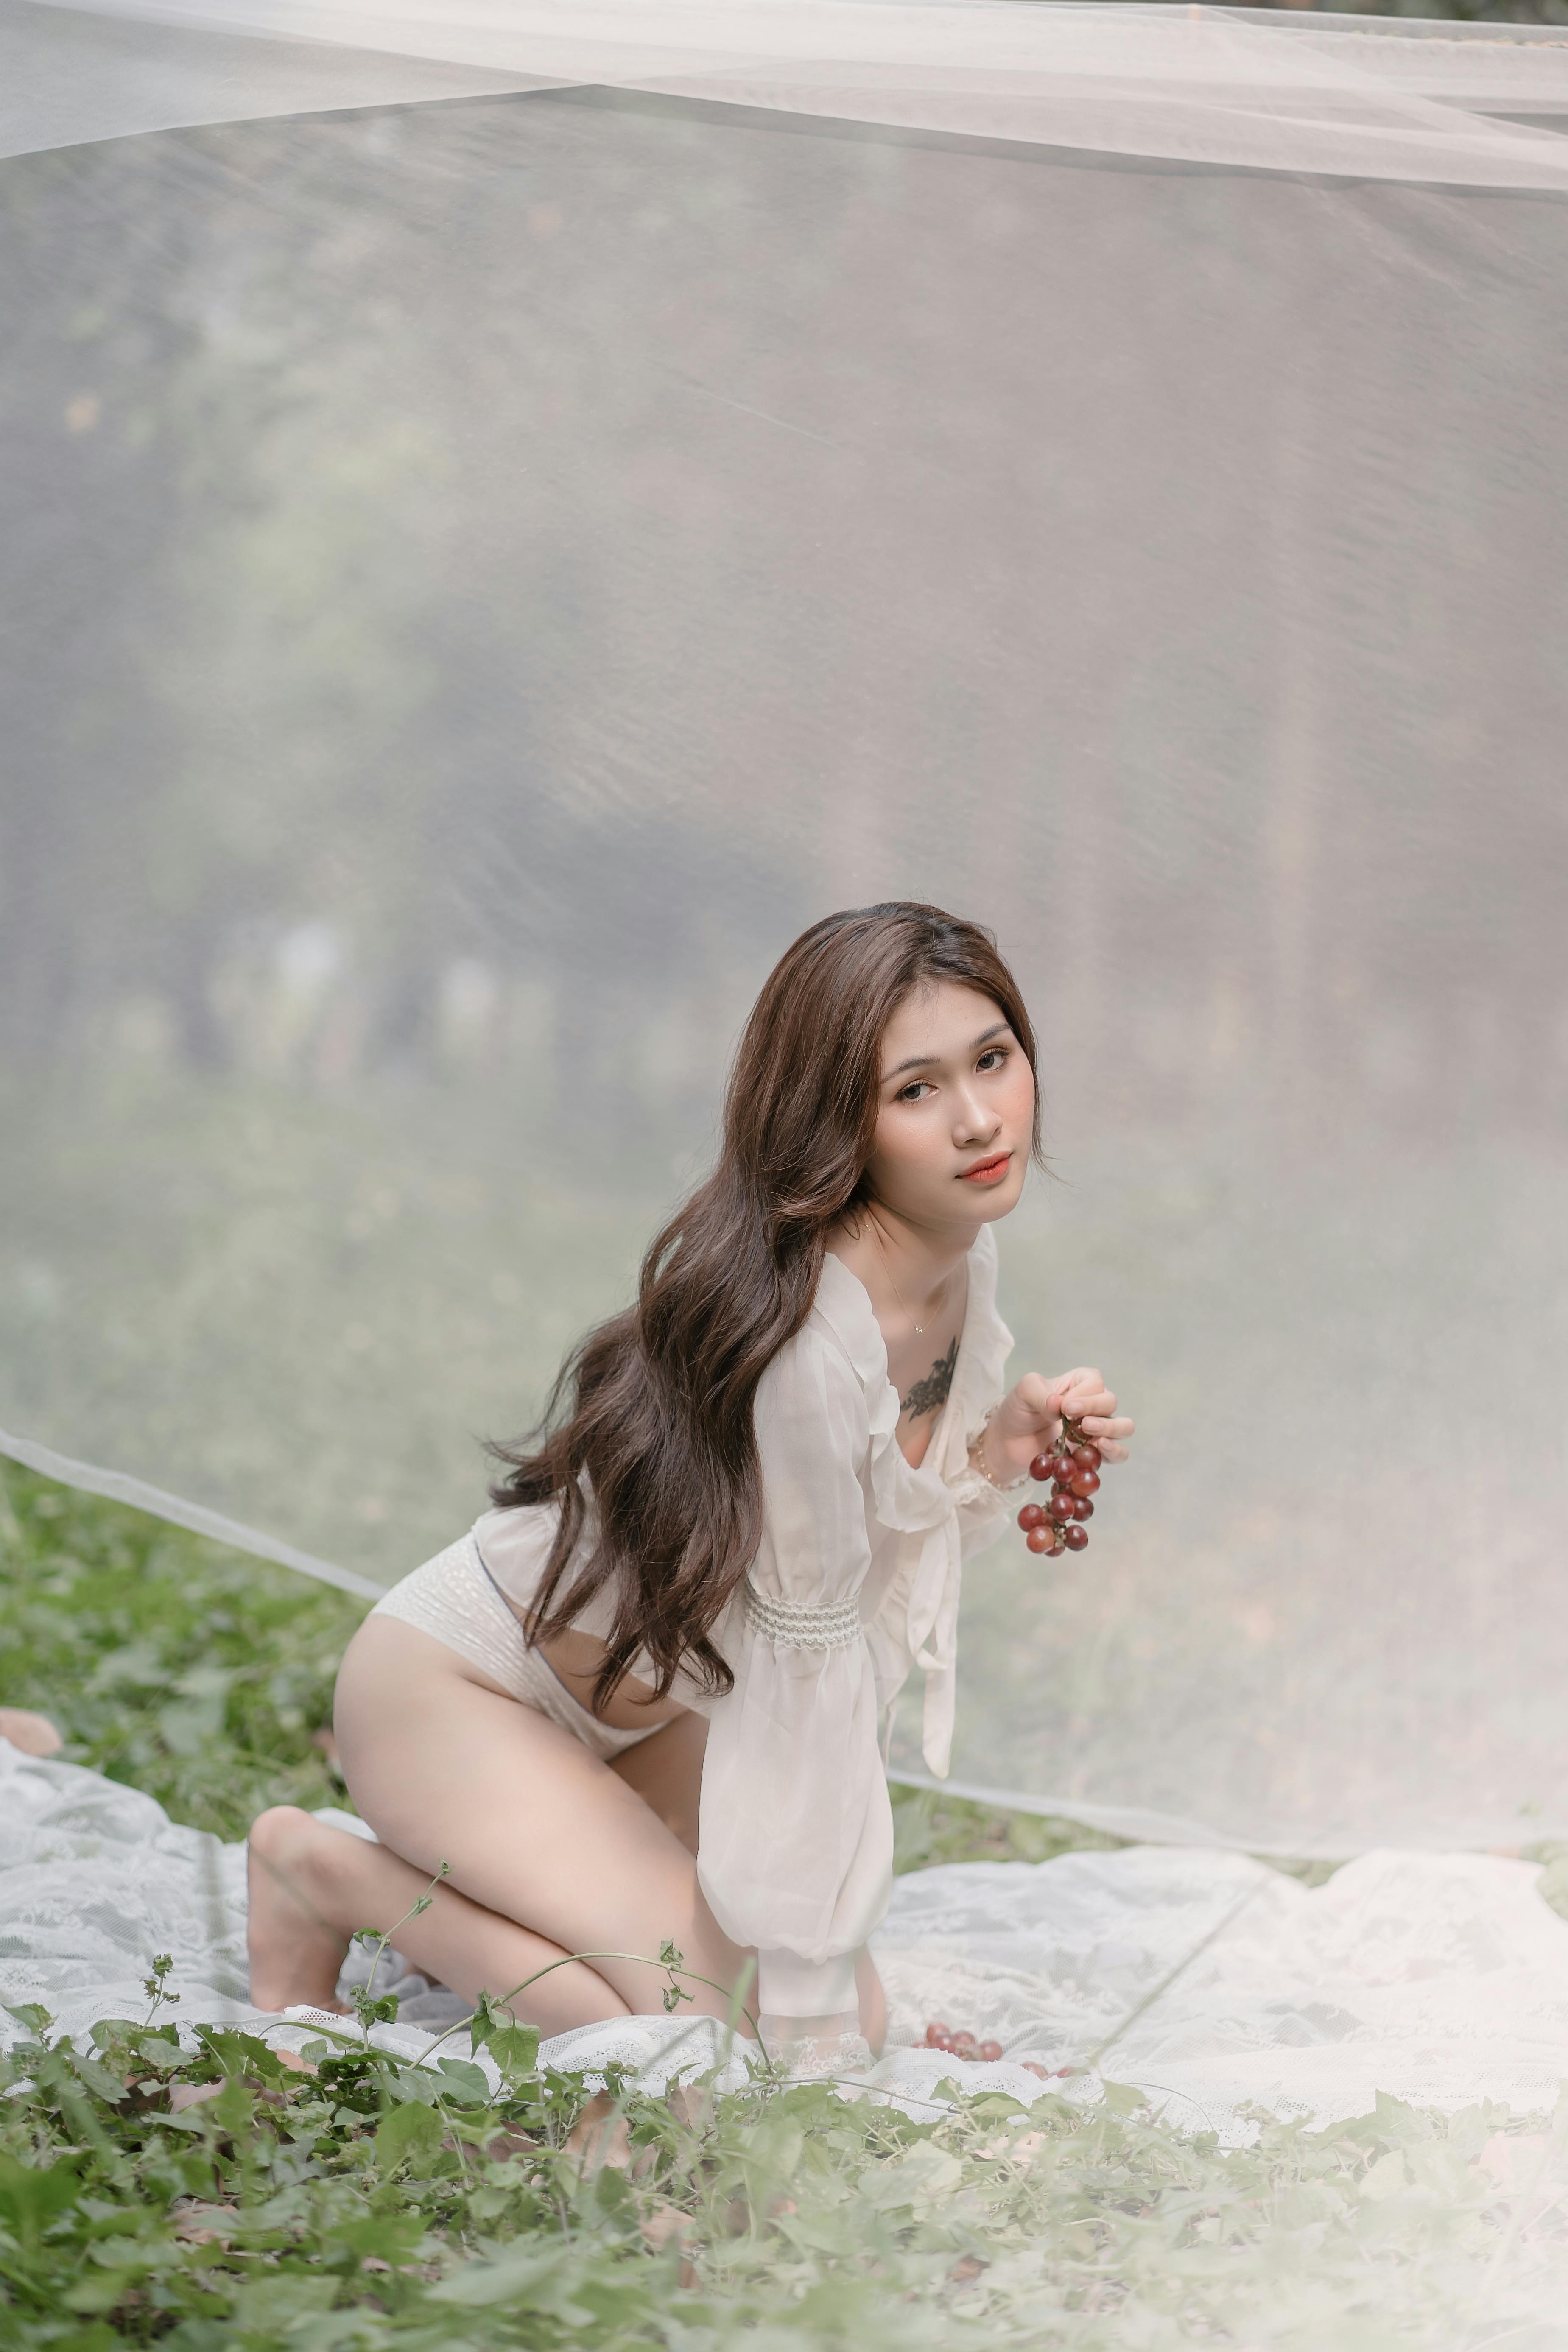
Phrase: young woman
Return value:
(646, 1698)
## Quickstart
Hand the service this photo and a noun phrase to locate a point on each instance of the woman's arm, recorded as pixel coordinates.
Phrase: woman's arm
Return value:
(795, 1844)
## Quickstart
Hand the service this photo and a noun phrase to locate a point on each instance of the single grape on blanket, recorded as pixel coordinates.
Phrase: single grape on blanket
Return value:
(1073, 1468)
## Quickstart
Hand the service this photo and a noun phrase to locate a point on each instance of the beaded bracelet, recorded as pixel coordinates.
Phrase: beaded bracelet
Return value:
(977, 1463)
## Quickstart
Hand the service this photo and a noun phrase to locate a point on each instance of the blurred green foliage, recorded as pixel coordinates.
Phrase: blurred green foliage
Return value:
(196, 1674)
(931, 1827)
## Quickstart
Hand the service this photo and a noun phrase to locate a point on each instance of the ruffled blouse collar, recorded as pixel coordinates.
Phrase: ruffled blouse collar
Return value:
(907, 1497)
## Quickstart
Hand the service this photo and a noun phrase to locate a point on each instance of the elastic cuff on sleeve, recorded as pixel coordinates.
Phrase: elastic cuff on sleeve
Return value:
(788, 1985)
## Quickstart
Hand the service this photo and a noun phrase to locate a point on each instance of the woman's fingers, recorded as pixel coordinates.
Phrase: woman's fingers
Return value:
(1093, 1406)
(1110, 1436)
(1083, 1391)
(1084, 1397)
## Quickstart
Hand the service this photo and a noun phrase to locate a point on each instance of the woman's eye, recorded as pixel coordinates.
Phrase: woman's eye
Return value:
(993, 1058)
(913, 1092)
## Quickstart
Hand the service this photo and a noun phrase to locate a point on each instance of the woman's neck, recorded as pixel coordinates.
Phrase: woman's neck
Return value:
(908, 1269)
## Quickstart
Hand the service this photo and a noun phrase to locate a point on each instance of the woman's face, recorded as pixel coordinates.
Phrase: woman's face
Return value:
(955, 1111)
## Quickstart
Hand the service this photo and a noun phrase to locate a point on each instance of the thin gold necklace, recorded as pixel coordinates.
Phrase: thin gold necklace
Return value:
(892, 1277)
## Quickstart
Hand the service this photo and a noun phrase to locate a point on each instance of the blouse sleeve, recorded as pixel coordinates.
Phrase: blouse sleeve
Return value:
(795, 1834)
(983, 1510)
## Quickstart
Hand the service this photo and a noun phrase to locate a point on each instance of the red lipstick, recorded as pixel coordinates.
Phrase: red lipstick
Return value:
(988, 1171)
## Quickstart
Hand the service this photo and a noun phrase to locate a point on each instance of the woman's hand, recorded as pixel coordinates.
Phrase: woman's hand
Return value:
(1028, 1420)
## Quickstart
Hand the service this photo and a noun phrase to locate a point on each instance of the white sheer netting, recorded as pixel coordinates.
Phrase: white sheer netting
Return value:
(484, 575)
(1365, 96)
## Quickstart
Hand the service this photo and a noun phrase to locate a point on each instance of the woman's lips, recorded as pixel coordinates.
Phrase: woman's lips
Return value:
(988, 1171)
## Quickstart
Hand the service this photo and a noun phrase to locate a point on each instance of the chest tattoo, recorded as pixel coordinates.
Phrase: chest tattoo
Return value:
(930, 1394)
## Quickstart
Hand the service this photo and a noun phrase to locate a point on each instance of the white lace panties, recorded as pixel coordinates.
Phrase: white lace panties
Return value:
(452, 1598)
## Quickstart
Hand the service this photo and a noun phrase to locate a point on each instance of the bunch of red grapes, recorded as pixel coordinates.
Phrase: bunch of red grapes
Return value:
(1073, 1468)
(960, 2044)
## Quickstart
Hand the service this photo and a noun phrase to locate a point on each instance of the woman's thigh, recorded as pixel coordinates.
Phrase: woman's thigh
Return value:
(532, 1824)
(665, 1770)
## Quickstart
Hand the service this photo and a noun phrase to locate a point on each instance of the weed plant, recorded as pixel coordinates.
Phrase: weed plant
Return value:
(221, 2197)
(200, 2192)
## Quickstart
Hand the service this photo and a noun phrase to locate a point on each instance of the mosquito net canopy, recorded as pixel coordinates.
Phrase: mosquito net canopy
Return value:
(512, 511)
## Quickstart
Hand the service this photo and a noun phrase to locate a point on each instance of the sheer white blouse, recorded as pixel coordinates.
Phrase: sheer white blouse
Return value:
(855, 1583)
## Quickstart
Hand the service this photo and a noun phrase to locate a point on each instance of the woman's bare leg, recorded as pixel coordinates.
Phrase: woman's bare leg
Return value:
(312, 1886)
(665, 1770)
(550, 1851)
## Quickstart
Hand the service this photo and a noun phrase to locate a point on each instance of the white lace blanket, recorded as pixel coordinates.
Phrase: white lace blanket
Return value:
(1209, 1980)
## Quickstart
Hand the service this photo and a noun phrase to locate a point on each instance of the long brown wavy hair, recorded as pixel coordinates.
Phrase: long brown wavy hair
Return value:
(649, 1436)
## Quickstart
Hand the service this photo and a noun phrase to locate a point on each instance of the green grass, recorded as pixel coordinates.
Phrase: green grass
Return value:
(194, 1673)
(367, 2205)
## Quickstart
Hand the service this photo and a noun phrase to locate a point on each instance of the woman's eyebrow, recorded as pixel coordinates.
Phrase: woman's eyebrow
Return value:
(919, 1061)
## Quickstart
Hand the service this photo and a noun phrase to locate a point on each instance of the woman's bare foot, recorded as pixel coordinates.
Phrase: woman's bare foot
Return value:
(35, 1735)
(295, 1951)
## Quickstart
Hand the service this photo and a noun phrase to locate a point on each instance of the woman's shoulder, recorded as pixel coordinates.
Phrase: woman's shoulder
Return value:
(842, 1324)
(822, 1356)
(819, 1388)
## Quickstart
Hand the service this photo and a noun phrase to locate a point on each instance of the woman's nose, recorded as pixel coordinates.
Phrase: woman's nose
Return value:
(974, 1121)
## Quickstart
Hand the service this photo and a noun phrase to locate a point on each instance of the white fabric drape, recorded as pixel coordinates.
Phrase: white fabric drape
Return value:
(1372, 97)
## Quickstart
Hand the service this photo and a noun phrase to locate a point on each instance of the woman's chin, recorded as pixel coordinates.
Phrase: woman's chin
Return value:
(993, 1201)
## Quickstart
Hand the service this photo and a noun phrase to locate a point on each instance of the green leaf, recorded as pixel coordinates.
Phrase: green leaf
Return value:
(100, 2293)
(270, 2303)
(389, 2237)
(1387, 2178)
(923, 2176)
(411, 2130)
(374, 2008)
(31, 2196)
(468, 2084)
(244, 2053)
(415, 2083)
(523, 2276)
(32, 2013)
(234, 2109)
(515, 2049)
